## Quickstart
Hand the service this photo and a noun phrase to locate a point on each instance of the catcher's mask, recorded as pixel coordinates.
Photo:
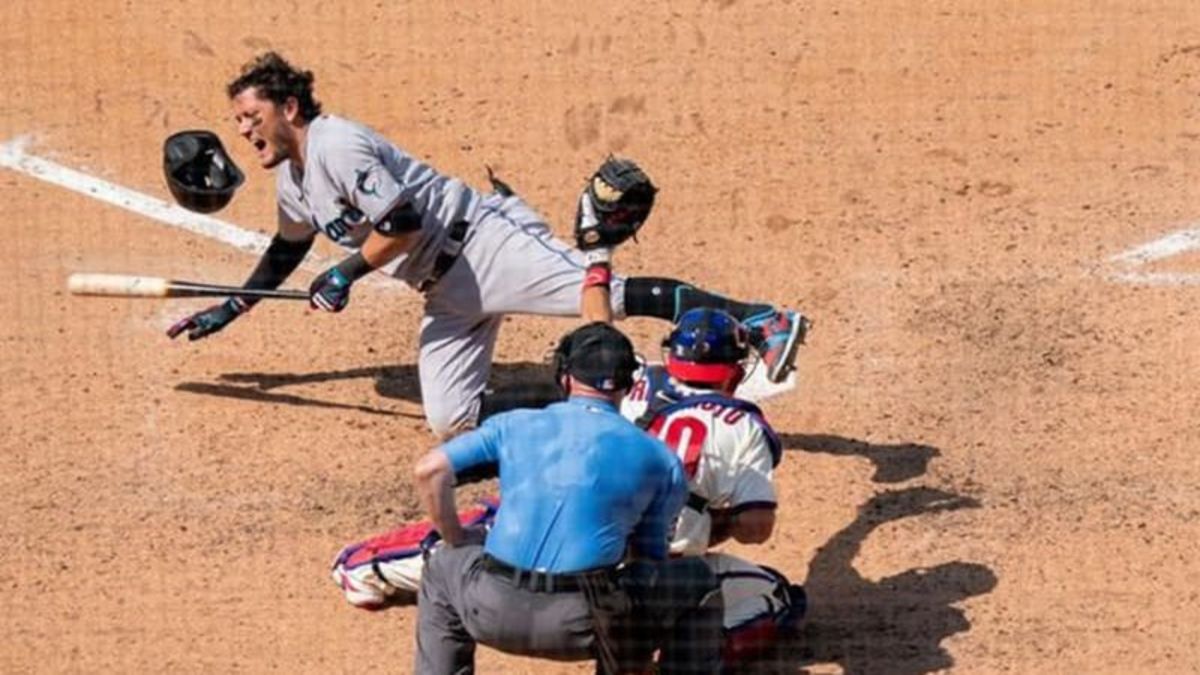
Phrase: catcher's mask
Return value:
(707, 346)
(598, 355)
(200, 174)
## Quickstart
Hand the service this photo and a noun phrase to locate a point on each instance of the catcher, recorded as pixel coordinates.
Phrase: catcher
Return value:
(475, 257)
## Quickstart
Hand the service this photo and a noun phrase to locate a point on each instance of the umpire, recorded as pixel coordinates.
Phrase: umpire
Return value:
(581, 487)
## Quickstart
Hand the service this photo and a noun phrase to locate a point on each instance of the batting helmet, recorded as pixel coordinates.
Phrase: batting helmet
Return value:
(199, 173)
(598, 355)
(707, 346)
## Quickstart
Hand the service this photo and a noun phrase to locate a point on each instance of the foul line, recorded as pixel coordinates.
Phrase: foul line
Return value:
(14, 156)
(1129, 262)
(1163, 247)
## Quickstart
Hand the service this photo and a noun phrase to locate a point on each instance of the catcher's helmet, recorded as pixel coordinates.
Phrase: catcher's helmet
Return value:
(707, 346)
(597, 355)
(199, 173)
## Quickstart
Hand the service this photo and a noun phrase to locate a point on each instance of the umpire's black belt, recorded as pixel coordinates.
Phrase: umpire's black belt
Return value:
(542, 582)
(451, 249)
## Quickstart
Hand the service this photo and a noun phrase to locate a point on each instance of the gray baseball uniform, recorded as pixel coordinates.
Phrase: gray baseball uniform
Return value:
(511, 263)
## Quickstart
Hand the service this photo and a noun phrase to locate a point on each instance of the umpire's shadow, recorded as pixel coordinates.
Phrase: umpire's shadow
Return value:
(896, 625)
(394, 382)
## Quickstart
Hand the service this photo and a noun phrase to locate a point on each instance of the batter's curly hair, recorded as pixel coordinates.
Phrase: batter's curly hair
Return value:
(278, 81)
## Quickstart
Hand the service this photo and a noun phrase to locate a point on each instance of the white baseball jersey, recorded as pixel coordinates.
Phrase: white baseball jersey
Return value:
(353, 178)
(728, 449)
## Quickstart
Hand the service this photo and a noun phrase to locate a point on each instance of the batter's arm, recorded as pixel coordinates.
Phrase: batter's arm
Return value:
(379, 249)
(281, 258)
(330, 291)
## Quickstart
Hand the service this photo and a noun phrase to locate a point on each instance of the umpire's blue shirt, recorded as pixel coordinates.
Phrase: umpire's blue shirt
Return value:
(577, 482)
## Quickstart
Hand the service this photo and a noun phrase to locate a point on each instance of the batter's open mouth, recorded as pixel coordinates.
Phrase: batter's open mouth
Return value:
(260, 144)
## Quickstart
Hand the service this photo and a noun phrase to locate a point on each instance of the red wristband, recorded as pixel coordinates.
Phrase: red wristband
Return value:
(599, 274)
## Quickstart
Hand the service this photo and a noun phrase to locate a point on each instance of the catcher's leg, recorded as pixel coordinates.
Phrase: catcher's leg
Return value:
(760, 607)
(372, 578)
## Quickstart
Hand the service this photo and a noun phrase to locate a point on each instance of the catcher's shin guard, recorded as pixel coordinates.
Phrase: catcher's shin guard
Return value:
(761, 607)
(386, 570)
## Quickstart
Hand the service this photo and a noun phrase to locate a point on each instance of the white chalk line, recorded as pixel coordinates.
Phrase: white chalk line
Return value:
(13, 155)
(1166, 246)
(1127, 263)
(1156, 278)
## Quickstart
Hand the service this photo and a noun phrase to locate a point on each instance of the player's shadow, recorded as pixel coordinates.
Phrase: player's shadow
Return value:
(893, 626)
(893, 463)
(393, 382)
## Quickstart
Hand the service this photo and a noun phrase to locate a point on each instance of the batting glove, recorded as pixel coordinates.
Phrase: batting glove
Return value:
(330, 291)
(211, 320)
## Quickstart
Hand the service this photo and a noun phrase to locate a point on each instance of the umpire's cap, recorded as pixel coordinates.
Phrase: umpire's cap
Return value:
(597, 355)
(200, 174)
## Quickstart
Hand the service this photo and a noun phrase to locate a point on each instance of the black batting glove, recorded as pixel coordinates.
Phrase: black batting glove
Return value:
(205, 323)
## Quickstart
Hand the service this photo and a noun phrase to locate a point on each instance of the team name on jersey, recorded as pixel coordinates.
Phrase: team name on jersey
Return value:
(729, 413)
(338, 229)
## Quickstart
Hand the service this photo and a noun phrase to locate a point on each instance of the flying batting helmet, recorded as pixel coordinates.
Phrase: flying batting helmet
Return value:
(707, 346)
(199, 173)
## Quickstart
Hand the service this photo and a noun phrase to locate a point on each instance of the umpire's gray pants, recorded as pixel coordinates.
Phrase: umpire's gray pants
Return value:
(461, 604)
(674, 606)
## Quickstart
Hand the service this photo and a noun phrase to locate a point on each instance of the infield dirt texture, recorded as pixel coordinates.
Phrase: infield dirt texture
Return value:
(991, 456)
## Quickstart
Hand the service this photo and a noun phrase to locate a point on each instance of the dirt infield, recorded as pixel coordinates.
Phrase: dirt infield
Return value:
(991, 459)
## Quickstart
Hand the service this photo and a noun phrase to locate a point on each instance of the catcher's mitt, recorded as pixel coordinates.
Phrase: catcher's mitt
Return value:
(614, 205)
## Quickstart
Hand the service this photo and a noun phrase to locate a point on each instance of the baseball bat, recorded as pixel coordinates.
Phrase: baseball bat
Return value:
(156, 287)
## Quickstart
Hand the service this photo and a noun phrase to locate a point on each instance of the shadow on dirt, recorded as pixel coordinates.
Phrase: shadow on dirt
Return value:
(893, 626)
(394, 382)
(255, 394)
(893, 463)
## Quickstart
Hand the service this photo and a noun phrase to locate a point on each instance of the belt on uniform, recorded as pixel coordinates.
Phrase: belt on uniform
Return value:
(451, 249)
(543, 582)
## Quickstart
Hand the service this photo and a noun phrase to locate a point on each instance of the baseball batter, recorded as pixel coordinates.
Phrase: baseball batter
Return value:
(476, 257)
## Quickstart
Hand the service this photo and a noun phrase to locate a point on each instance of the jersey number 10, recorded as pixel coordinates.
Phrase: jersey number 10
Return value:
(685, 435)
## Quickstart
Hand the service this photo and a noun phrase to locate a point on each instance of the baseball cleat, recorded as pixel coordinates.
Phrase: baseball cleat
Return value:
(777, 337)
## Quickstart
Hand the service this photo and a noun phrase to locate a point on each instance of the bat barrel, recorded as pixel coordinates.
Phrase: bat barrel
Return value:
(155, 287)
(117, 284)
